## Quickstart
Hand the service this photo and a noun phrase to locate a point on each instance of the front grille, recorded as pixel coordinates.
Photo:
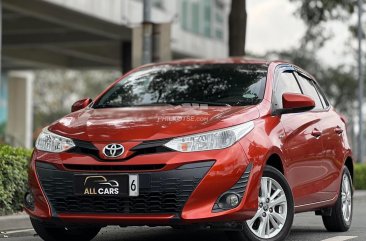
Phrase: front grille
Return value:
(160, 192)
(78, 167)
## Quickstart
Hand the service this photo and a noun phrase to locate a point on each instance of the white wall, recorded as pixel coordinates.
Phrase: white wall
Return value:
(20, 108)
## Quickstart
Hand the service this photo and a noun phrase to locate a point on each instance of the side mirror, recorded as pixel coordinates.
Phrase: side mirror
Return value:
(80, 104)
(294, 103)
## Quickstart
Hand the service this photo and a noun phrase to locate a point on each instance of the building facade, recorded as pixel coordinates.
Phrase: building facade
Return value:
(199, 27)
(92, 34)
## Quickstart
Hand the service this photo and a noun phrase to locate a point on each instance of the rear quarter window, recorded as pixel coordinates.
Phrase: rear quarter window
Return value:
(308, 87)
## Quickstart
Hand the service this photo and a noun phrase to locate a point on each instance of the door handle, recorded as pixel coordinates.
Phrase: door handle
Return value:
(316, 133)
(338, 130)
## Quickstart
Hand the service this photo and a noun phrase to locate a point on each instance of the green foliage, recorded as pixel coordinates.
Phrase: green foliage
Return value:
(2, 130)
(339, 83)
(56, 90)
(13, 178)
(340, 87)
(316, 13)
(360, 176)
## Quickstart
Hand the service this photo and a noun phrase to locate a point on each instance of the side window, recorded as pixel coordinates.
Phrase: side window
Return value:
(286, 83)
(322, 96)
(309, 89)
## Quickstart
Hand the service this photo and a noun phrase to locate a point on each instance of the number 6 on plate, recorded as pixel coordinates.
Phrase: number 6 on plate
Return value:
(133, 185)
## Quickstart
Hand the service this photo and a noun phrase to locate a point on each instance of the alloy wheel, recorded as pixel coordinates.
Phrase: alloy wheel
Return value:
(346, 198)
(272, 210)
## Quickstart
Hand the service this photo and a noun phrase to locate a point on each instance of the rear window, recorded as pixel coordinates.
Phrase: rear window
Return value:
(211, 84)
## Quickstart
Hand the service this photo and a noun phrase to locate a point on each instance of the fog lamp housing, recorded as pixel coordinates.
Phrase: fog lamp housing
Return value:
(29, 200)
(229, 201)
(232, 198)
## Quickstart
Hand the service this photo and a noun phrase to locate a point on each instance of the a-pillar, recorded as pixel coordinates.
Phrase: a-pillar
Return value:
(19, 126)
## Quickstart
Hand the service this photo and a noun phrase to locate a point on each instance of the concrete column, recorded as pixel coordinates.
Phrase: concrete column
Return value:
(2, 79)
(3, 105)
(137, 46)
(161, 44)
(1, 35)
(19, 127)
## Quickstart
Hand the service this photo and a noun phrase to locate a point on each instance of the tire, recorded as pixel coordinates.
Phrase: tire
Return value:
(340, 221)
(58, 233)
(276, 211)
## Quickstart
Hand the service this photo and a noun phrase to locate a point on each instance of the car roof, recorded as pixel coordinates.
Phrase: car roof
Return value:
(232, 60)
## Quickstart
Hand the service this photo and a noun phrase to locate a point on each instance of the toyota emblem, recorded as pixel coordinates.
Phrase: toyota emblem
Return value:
(113, 150)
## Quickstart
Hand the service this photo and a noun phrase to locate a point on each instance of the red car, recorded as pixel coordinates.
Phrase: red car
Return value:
(236, 145)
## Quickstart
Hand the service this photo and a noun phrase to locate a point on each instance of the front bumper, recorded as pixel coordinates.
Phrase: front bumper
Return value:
(180, 193)
(163, 192)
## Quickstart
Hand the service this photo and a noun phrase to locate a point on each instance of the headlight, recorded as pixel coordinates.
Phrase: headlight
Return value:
(48, 141)
(212, 140)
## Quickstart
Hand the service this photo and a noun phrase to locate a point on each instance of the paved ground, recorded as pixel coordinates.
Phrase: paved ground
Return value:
(306, 227)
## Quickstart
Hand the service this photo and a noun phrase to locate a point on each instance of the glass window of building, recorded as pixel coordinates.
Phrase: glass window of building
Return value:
(195, 17)
(218, 21)
(219, 34)
(207, 18)
(184, 17)
(158, 4)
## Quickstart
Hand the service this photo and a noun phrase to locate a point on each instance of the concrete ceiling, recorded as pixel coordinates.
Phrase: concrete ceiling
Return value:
(37, 34)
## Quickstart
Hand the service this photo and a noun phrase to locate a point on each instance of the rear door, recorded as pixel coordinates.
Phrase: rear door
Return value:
(302, 144)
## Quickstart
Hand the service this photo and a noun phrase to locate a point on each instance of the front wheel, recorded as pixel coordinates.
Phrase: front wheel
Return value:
(275, 213)
(341, 218)
(72, 233)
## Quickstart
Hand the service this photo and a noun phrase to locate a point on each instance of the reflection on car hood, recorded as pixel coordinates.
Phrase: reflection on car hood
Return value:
(149, 123)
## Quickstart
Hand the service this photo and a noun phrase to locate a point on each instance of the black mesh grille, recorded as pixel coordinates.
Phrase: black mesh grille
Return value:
(160, 192)
(77, 167)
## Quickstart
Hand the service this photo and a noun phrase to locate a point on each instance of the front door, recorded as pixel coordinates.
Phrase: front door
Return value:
(302, 143)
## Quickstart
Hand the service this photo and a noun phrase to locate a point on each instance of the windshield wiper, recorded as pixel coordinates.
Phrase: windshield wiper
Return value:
(120, 106)
(199, 102)
(248, 101)
(109, 106)
(101, 106)
(153, 104)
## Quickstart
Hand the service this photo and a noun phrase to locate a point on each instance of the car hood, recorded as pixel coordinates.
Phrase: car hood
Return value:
(149, 123)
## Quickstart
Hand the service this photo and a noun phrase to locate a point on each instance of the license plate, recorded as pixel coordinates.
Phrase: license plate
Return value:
(106, 185)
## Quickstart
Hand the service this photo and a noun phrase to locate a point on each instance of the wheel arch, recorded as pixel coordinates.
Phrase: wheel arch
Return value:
(349, 164)
(275, 161)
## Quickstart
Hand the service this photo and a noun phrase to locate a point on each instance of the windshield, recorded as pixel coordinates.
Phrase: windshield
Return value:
(209, 84)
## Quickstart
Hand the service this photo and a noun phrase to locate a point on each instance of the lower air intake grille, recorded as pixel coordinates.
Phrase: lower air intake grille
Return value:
(160, 192)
